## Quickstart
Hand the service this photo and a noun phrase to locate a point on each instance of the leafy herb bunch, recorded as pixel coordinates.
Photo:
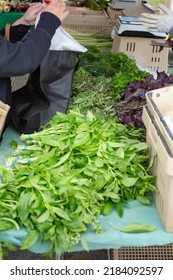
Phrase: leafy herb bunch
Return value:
(130, 106)
(66, 175)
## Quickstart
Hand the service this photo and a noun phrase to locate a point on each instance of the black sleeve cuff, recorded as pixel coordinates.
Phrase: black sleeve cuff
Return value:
(49, 22)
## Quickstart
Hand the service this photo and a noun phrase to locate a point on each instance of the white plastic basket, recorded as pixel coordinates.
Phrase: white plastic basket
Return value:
(139, 47)
(158, 103)
(162, 169)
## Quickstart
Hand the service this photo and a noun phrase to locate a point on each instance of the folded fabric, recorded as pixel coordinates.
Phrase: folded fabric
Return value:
(63, 41)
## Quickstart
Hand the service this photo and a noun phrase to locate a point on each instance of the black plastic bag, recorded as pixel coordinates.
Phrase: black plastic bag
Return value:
(48, 90)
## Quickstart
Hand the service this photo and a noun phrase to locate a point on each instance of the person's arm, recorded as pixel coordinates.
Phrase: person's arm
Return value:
(16, 32)
(25, 56)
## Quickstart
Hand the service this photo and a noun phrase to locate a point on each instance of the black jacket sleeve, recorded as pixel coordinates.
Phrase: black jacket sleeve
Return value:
(17, 32)
(24, 56)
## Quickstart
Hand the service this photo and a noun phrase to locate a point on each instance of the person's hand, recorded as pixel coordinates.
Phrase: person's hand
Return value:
(162, 22)
(58, 8)
(30, 15)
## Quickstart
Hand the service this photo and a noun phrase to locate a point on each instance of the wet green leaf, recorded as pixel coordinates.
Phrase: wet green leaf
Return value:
(84, 244)
(137, 228)
(30, 239)
(129, 182)
(43, 217)
(120, 209)
(143, 199)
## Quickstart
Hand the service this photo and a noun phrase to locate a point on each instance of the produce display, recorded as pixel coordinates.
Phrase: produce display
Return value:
(84, 163)
(23, 5)
(96, 5)
(13, 6)
(123, 85)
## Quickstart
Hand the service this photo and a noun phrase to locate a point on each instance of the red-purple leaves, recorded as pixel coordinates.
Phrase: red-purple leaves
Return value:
(129, 108)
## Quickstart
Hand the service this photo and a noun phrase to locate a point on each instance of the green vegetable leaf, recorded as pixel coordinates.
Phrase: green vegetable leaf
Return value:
(29, 240)
(152, 161)
(63, 159)
(143, 199)
(5, 222)
(107, 208)
(61, 213)
(5, 225)
(25, 201)
(120, 209)
(120, 153)
(81, 139)
(140, 146)
(14, 144)
(129, 182)
(43, 217)
(136, 227)
(84, 244)
(99, 162)
(90, 116)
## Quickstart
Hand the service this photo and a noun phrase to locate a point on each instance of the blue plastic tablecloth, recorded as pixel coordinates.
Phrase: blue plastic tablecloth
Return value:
(110, 238)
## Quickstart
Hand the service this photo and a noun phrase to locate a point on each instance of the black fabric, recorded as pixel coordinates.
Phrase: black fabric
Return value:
(47, 21)
(19, 57)
(47, 91)
(17, 32)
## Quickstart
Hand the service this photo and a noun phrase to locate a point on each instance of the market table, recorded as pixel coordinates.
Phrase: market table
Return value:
(110, 238)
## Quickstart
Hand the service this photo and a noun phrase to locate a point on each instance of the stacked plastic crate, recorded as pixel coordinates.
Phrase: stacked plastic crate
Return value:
(159, 136)
(134, 39)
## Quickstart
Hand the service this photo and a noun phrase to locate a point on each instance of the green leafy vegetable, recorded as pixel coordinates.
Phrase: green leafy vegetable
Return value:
(143, 199)
(30, 239)
(136, 227)
(78, 167)
(120, 209)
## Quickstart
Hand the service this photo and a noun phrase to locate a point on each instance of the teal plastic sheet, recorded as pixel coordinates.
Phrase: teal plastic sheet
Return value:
(110, 238)
(5, 146)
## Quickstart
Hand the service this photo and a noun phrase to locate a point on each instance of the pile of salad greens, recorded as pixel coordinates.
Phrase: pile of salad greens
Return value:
(63, 177)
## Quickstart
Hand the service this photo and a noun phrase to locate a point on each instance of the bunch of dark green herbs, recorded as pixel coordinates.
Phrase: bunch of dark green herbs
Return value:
(119, 66)
(93, 94)
(78, 167)
(99, 80)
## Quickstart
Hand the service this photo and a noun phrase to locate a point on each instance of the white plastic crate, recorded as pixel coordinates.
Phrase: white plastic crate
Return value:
(159, 102)
(162, 169)
(139, 48)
